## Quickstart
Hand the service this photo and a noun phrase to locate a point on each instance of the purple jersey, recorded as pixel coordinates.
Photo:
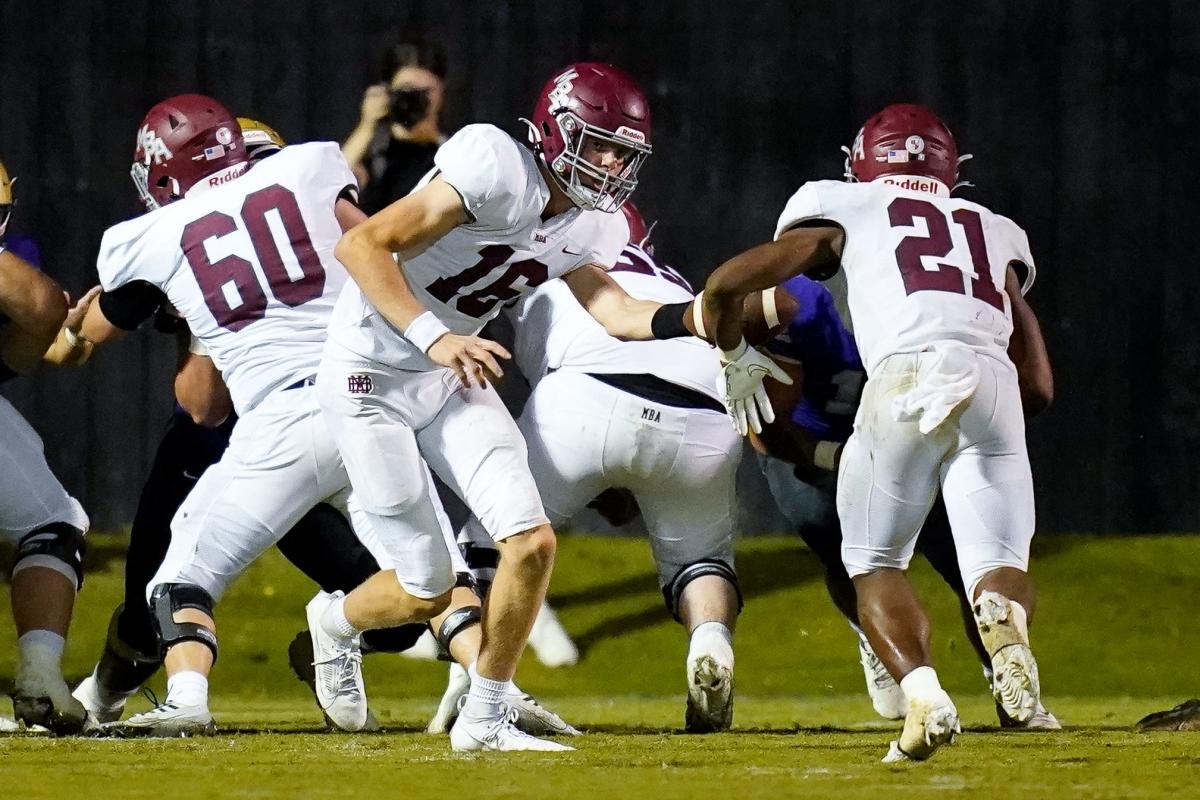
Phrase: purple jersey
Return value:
(833, 371)
(24, 248)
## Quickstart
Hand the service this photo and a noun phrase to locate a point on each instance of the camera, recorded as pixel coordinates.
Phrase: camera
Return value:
(407, 107)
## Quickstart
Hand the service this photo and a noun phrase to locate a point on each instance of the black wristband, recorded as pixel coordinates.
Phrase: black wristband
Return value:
(667, 322)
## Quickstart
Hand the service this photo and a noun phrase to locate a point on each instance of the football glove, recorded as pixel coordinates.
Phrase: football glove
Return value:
(740, 383)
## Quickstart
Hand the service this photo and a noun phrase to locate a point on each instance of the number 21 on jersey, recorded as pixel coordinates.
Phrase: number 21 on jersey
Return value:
(903, 213)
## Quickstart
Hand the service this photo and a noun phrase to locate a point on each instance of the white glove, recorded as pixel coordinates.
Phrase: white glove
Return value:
(741, 384)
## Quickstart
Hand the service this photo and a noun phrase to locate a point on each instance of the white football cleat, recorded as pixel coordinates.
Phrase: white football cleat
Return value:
(535, 719)
(1015, 683)
(167, 721)
(886, 695)
(44, 700)
(928, 725)
(300, 659)
(338, 680)
(710, 696)
(104, 706)
(550, 642)
(501, 734)
(1042, 720)
(529, 715)
(456, 692)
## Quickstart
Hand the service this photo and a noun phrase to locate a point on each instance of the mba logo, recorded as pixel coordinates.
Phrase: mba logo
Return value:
(359, 384)
(651, 415)
(154, 150)
(560, 95)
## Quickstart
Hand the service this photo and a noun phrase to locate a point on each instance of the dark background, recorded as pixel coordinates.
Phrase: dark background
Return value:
(1082, 117)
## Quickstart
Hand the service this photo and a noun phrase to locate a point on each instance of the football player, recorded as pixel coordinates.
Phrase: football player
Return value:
(606, 414)
(405, 376)
(322, 544)
(932, 298)
(36, 513)
(798, 454)
(246, 259)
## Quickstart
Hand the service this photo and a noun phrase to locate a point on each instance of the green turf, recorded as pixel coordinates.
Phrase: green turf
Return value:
(1114, 635)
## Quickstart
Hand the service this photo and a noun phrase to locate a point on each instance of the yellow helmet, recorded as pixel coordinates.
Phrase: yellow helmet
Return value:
(6, 198)
(261, 139)
(5, 186)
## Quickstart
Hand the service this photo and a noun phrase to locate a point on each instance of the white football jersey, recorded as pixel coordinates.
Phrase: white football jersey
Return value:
(554, 332)
(249, 264)
(921, 268)
(504, 251)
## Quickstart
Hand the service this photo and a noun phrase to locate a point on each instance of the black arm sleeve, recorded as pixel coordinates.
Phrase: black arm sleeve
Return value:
(130, 305)
(349, 193)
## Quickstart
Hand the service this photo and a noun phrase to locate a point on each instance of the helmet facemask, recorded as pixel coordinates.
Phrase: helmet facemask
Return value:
(607, 191)
(141, 179)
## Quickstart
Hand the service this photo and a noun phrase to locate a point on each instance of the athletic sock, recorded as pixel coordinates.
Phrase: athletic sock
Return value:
(41, 651)
(486, 695)
(334, 621)
(714, 639)
(922, 684)
(187, 688)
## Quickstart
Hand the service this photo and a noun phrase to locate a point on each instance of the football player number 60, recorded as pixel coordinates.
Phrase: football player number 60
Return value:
(232, 278)
(903, 213)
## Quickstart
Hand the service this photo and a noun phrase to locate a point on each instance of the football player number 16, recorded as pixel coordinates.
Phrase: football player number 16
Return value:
(231, 279)
(903, 213)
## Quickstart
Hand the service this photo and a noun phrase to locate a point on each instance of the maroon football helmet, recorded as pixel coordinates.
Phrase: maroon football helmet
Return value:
(904, 139)
(586, 103)
(182, 141)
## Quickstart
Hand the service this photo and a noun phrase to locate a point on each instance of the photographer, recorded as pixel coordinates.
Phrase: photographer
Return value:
(398, 133)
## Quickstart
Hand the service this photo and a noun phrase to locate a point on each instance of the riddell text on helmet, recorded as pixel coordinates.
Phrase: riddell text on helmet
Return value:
(912, 183)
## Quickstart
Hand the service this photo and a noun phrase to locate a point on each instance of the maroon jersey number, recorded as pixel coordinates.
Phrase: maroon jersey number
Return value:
(903, 212)
(501, 290)
(237, 274)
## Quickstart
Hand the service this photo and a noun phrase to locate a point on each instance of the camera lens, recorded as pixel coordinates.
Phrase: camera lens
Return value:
(408, 106)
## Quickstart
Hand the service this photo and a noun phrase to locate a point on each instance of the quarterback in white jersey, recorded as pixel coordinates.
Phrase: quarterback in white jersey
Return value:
(405, 376)
(933, 284)
(642, 416)
(246, 258)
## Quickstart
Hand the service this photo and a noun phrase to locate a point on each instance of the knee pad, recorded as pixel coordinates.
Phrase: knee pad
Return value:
(674, 590)
(454, 624)
(57, 546)
(169, 598)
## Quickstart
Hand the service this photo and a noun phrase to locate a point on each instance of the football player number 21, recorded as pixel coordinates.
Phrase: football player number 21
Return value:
(247, 301)
(903, 213)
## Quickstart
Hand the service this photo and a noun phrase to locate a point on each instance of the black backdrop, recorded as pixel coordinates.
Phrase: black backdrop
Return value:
(1082, 116)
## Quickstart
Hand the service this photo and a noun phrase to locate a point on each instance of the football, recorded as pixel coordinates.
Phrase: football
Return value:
(764, 315)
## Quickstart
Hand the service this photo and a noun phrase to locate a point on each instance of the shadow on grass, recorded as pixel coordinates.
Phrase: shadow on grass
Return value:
(760, 573)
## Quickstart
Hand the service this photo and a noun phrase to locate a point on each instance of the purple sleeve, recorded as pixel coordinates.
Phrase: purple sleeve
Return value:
(24, 248)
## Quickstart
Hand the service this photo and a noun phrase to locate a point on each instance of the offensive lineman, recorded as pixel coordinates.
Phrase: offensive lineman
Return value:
(404, 375)
(931, 298)
(246, 259)
(643, 416)
(46, 523)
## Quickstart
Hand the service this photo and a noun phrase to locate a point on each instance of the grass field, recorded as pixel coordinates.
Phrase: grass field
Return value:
(1115, 636)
